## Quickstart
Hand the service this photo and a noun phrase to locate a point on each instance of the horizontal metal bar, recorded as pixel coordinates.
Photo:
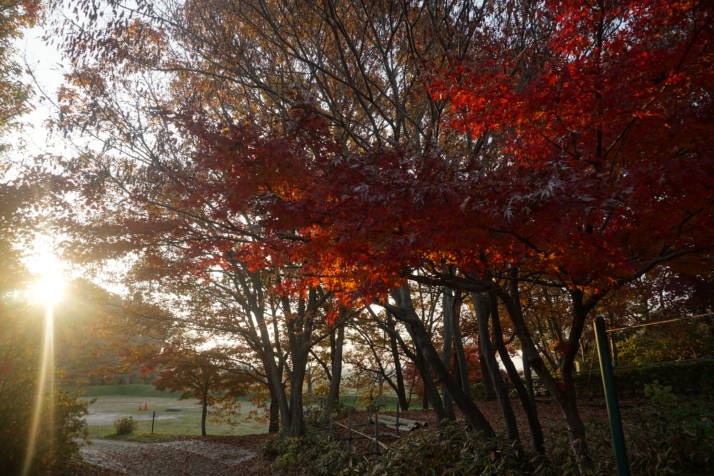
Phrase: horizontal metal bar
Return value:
(366, 436)
(684, 318)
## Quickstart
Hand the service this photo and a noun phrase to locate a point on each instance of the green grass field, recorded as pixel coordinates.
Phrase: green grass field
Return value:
(110, 402)
(130, 390)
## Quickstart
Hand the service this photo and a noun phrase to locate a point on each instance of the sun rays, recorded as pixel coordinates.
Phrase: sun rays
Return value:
(46, 290)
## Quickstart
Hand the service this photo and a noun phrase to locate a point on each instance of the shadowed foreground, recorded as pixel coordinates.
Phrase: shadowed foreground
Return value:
(183, 457)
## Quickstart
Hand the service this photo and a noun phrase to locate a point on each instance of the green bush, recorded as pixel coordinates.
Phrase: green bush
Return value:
(125, 426)
(660, 394)
(684, 377)
(450, 450)
(680, 340)
(672, 439)
(662, 439)
(316, 453)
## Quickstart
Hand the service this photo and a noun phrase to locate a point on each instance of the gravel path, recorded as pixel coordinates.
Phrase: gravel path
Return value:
(184, 457)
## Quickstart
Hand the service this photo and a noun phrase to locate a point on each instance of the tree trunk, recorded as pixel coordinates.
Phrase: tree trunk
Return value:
(398, 374)
(482, 304)
(448, 336)
(299, 332)
(308, 380)
(431, 394)
(297, 378)
(461, 362)
(528, 375)
(204, 410)
(337, 338)
(425, 402)
(526, 398)
(389, 326)
(274, 422)
(486, 377)
(405, 312)
(563, 391)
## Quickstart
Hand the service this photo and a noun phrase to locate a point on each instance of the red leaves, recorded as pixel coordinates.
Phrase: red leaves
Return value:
(595, 159)
(591, 150)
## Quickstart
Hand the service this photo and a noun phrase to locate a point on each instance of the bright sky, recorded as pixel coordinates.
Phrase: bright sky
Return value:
(46, 66)
(45, 63)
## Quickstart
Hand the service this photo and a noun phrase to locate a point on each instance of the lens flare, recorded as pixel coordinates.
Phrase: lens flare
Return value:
(43, 414)
(47, 291)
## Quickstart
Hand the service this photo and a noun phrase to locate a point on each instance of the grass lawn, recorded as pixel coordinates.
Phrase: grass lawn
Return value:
(184, 420)
(112, 402)
(132, 390)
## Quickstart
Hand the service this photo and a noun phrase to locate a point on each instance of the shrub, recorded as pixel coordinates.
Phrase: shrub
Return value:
(316, 453)
(672, 439)
(660, 394)
(125, 426)
(661, 439)
(452, 449)
(689, 377)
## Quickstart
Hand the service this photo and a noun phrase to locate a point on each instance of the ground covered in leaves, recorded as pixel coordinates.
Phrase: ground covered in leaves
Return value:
(675, 436)
(212, 455)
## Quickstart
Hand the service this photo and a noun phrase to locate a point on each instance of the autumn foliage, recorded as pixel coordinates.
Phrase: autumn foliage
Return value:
(596, 163)
(537, 157)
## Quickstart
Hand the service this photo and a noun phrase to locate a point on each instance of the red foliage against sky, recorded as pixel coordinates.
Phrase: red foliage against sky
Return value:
(605, 131)
(600, 160)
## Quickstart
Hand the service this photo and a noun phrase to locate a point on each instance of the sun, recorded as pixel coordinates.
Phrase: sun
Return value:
(49, 281)
(48, 289)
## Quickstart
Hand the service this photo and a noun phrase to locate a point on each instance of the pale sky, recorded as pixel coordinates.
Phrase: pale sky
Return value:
(45, 62)
(47, 67)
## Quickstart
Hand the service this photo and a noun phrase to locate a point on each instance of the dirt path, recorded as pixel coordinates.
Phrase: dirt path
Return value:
(184, 457)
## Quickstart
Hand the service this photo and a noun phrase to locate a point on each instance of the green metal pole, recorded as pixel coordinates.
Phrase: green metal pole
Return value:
(613, 406)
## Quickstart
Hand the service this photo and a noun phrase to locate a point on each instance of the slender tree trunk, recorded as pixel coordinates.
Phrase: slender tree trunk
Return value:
(482, 303)
(405, 311)
(425, 402)
(297, 378)
(299, 331)
(563, 391)
(448, 336)
(528, 376)
(486, 377)
(204, 410)
(277, 391)
(337, 339)
(461, 362)
(398, 374)
(526, 398)
(431, 394)
(308, 380)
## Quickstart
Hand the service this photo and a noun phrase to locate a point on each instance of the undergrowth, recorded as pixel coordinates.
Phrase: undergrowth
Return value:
(666, 437)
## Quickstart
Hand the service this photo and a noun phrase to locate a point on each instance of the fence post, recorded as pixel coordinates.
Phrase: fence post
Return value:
(376, 431)
(153, 417)
(613, 406)
(397, 419)
(349, 432)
